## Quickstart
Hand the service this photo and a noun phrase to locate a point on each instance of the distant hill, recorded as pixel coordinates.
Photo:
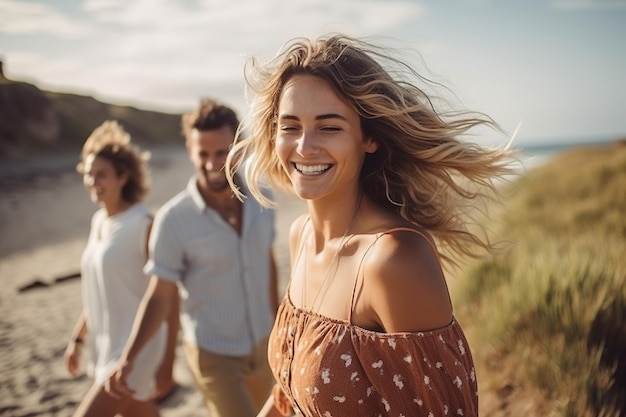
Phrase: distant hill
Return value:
(34, 122)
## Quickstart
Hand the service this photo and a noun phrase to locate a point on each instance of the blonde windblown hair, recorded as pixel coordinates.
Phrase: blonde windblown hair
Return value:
(422, 169)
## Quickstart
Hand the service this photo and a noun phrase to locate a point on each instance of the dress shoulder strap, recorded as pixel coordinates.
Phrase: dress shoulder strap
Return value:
(359, 274)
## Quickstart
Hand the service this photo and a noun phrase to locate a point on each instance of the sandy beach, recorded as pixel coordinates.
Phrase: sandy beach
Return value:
(44, 222)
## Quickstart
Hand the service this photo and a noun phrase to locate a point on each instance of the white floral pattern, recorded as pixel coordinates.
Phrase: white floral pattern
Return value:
(327, 367)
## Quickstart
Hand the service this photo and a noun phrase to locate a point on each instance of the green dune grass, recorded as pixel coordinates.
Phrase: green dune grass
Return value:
(553, 304)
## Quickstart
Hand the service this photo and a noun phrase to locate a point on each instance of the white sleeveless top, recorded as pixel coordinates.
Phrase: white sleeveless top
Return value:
(113, 284)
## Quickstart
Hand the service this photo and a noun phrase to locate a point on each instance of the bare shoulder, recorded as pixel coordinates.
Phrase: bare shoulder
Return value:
(404, 283)
(295, 231)
(296, 228)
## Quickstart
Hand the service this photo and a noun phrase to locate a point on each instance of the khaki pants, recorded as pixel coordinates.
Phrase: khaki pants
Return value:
(232, 386)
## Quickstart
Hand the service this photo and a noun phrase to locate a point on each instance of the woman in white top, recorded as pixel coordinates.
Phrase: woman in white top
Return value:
(113, 283)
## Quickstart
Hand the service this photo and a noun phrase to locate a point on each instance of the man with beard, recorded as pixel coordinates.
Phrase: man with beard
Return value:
(217, 253)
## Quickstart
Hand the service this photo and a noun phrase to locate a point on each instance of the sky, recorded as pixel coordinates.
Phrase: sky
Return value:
(554, 68)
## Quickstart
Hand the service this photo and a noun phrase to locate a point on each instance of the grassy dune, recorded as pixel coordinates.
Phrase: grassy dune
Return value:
(546, 317)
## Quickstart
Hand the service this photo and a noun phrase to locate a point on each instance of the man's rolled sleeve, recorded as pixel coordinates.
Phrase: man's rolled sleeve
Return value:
(166, 251)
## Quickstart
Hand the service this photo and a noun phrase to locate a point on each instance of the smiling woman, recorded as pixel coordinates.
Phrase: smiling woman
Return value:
(366, 326)
(318, 135)
(113, 282)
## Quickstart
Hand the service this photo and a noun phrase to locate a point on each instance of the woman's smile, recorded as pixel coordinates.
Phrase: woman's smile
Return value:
(312, 170)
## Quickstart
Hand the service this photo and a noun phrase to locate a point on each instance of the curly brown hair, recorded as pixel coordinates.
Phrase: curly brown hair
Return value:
(111, 142)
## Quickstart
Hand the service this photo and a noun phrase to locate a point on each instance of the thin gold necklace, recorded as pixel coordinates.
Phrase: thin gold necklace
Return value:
(333, 263)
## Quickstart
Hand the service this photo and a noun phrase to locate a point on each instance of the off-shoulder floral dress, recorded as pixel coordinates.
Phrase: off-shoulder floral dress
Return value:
(331, 368)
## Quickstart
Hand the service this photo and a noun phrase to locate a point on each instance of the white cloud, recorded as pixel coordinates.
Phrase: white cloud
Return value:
(17, 17)
(169, 53)
(252, 17)
(164, 54)
(219, 34)
(102, 5)
(159, 42)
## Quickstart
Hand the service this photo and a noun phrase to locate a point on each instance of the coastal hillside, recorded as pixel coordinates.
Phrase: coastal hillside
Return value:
(546, 316)
(35, 122)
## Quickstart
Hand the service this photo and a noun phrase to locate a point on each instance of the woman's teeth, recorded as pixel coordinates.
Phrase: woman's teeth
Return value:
(312, 169)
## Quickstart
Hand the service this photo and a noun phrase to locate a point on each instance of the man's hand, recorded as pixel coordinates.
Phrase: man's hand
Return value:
(164, 383)
(153, 309)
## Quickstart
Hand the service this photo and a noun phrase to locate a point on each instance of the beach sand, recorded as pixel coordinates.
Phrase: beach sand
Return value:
(44, 222)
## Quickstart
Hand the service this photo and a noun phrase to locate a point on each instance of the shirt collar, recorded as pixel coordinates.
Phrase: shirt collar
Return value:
(192, 189)
(196, 197)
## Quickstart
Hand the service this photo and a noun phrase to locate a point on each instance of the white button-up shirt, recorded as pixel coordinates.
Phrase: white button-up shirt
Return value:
(223, 278)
